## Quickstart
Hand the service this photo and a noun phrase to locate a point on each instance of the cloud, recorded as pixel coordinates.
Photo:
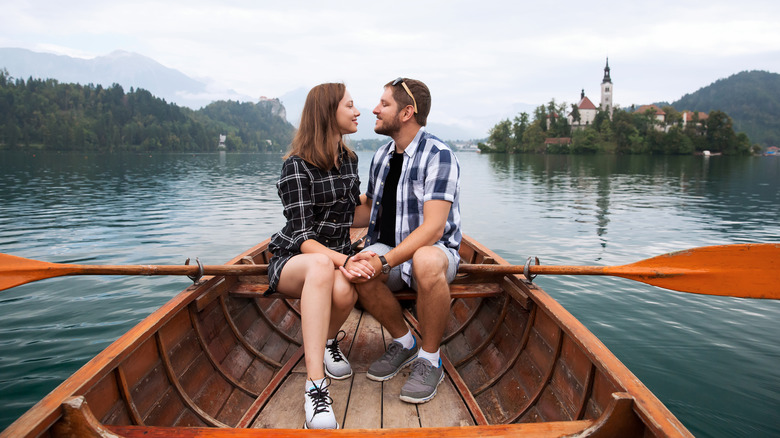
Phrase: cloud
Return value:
(481, 60)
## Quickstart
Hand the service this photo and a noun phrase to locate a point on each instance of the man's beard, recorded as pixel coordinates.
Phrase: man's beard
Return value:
(389, 127)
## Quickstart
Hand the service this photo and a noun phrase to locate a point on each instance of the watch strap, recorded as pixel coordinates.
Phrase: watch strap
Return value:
(385, 265)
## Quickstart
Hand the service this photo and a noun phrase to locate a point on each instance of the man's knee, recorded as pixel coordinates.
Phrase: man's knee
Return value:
(429, 266)
(430, 259)
(367, 289)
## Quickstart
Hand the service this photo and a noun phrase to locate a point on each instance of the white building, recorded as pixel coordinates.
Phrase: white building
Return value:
(587, 110)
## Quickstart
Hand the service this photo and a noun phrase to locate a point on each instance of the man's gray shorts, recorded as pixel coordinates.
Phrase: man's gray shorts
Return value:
(394, 280)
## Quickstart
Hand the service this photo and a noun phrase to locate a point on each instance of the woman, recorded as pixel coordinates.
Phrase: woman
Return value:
(319, 188)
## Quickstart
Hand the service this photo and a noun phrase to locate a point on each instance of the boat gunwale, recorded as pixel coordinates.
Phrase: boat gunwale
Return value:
(44, 414)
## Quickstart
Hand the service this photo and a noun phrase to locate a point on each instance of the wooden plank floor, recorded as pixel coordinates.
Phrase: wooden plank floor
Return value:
(362, 403)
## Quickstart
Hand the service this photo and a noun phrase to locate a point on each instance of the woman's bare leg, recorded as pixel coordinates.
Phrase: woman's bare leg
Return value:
(310, 277)
(344, 298)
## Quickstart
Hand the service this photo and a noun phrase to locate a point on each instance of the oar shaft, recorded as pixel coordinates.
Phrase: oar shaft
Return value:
(489, 269)
(167, 269)
(573, 270)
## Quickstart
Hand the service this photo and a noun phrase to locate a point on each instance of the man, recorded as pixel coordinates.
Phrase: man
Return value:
(413, 236)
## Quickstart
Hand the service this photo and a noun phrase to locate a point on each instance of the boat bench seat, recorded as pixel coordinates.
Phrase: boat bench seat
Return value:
(457, 290)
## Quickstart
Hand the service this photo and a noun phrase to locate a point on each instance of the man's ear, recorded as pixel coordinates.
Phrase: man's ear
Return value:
(407, 113)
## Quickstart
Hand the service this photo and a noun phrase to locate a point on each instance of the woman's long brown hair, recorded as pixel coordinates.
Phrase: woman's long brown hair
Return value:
(313, 140)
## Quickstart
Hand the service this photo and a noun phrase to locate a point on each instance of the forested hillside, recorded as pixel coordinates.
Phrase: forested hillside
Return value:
(50, 115)
(750, 98)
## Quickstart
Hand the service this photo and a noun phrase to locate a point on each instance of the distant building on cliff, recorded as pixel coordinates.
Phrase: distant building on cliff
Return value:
(274, 105)
(585, 111)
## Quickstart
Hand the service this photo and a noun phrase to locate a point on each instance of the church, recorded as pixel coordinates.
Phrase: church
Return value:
(586, 111)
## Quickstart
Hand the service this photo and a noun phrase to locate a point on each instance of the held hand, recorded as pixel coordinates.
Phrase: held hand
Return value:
(362, 268)
(364, 255)
(359, 269)
(352, 277)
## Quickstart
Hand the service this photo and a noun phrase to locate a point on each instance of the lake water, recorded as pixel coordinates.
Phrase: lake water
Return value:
(714, 361)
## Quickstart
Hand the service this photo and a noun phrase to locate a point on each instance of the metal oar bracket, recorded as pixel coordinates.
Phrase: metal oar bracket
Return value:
(527, 268)
(195, 278)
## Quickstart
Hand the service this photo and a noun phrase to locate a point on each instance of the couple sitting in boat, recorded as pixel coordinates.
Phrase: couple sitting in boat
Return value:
(411, 209)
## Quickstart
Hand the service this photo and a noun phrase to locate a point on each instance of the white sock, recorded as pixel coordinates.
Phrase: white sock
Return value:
(433, 358)
(407, 340)
(311, 383)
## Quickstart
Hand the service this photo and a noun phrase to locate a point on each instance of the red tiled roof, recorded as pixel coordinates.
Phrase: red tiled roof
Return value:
(643, 108)
(558, 140)
(688, 115)
(585, 103)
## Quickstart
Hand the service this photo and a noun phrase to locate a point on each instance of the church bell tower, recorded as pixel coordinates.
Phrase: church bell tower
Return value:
(606, 91)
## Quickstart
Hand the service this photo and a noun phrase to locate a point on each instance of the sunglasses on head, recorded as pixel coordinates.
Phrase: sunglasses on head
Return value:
(401, 81)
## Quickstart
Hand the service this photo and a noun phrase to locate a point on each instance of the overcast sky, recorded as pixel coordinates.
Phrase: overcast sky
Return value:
(481, 59)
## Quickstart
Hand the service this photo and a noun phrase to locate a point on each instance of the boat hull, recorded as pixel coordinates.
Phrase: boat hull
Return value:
(220, 359)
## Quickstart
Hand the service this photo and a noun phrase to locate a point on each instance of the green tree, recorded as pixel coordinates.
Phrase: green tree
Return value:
(500, 136)
(720, 133)
(575, 113)
(519, 125)
(533, 138)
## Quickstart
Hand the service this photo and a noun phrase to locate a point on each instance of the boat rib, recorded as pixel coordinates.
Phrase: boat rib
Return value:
(125, 392)
(172, 378)
(543, 383)
(511, 363)
(240, 337)
(210, 356)
(490, 337)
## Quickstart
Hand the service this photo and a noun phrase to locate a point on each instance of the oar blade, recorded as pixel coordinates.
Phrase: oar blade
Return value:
(741, 270)
(15, 271)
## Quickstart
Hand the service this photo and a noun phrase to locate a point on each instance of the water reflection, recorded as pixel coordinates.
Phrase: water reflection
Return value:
(648, 194)
(574, 210)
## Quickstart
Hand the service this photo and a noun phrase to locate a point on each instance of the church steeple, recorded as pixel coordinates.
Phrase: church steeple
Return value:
(606, 74)
(606, 91)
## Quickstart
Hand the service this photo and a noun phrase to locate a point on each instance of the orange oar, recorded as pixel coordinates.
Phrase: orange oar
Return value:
(15, 271)
(744, 271)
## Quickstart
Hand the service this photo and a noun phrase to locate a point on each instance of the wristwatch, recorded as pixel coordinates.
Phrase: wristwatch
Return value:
(385, 267)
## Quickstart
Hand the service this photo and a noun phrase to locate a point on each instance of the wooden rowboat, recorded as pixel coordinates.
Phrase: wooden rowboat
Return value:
(220, 360)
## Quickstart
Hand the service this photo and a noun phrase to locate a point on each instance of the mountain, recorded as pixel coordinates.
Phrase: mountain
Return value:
(119, 67)
(46, 114)
(750, 98)
(131, 70)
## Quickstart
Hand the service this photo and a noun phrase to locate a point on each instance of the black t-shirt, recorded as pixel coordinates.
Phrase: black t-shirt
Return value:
(387, 220)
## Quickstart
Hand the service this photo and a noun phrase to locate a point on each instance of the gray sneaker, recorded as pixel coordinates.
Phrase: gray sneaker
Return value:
(395, 358)
(423, 381)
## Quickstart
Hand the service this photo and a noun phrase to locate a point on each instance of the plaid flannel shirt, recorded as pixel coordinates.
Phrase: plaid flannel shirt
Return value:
(318, 204)
(430, 172)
